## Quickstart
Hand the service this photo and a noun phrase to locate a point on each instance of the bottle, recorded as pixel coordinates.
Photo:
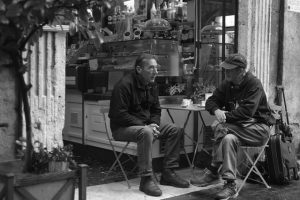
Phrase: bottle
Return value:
(153, 11)
(158, 12)
(114, 17)
(164, 10)
(169, 12)
(181, 10)
(119, 14)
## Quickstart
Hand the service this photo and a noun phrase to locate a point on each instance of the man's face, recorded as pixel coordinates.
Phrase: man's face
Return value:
(234, 75)
(149, 70)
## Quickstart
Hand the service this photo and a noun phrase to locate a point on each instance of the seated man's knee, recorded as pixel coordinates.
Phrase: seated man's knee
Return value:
(230, 138)
(146, 133)
(173, 129)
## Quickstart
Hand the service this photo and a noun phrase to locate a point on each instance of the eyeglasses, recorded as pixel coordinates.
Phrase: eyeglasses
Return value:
(152, 68)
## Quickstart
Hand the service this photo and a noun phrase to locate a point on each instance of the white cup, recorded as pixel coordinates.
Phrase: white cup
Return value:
(186, 102)
(207, 95)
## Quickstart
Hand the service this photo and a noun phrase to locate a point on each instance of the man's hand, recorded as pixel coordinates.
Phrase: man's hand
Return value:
(220, 114)
(155, 129)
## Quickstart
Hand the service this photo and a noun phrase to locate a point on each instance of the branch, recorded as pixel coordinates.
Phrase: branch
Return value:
(22, 43)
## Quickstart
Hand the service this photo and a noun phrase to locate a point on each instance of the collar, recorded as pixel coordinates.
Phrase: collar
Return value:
(246, 78)
(140, 82)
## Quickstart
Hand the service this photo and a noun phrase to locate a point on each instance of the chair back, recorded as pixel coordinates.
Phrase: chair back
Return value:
(104, 110)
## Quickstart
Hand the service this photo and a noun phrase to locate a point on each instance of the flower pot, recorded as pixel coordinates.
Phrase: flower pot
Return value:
(57, 166)
(197, 101)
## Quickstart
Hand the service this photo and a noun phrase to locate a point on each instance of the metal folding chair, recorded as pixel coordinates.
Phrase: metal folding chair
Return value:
(112, 142)
(253, 168)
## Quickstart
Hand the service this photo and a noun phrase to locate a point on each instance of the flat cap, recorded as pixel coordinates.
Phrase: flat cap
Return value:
(233, 61)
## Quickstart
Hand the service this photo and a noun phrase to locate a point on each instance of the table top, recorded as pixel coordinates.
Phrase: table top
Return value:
(192, 107)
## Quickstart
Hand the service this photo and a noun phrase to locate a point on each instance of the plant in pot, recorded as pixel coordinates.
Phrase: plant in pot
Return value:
(198, 93)
(201, 92)
(209, 89)
(61, 158)
(44, 161)
(38, 182)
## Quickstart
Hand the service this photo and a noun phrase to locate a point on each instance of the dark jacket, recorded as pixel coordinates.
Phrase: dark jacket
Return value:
(134, 103)
(245, 102)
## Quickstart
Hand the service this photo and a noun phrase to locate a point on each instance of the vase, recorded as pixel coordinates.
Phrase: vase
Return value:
(57, 166)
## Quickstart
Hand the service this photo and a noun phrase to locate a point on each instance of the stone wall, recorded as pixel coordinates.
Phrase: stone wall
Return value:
(258, 40)
(291, 69)
(47, 95)
(8, 112)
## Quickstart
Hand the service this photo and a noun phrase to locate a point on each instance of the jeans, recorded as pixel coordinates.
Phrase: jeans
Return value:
(228, 138)
(143, 136)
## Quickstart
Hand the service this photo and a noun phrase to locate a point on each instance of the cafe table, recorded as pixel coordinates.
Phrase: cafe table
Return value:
(197, 109)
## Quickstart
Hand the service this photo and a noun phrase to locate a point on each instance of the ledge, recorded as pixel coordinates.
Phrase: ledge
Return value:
(57, 28)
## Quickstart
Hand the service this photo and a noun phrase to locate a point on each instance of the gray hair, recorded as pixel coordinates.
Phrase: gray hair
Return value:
(141, 60)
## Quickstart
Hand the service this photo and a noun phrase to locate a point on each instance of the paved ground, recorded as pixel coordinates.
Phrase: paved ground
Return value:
(114, 188)
(249, 192)
(120, 191)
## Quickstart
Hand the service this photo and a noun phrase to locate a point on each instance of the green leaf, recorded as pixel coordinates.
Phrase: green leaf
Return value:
(14, 10)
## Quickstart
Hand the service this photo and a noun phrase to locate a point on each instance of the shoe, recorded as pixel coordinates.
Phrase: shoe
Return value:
(229, 191)
(169, 177)
(208, 178)
(149, 186)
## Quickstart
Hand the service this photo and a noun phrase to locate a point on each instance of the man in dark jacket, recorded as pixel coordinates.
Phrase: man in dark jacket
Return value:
(135, 116)
(243, 118)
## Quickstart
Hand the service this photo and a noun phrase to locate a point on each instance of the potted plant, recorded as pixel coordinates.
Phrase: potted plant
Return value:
(209, 89)
(43, 161)
(60, 158)
(198, 93)
(201, 92)
(43, 181)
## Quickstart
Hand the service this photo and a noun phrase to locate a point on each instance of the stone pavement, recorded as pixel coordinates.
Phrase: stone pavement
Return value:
(120, 191)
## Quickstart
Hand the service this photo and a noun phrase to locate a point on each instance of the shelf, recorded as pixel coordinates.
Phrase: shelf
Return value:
(129, 41)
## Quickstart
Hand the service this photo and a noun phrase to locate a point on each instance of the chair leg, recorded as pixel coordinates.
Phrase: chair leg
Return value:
(119, 162)
(117, 158)
(254, 169)
(197, 145)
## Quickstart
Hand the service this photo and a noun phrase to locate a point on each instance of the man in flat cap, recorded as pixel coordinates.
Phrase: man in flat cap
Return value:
(243, 118)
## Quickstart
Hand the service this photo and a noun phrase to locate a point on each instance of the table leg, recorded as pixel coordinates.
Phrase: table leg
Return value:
(199, 134)
(170, 116)
(184, 126)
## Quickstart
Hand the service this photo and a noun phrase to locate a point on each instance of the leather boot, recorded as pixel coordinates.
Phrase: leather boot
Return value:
(169, 177)
(149, 186)
(207, 178)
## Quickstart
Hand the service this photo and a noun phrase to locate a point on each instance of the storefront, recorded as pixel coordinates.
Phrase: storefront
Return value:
(190, 39)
